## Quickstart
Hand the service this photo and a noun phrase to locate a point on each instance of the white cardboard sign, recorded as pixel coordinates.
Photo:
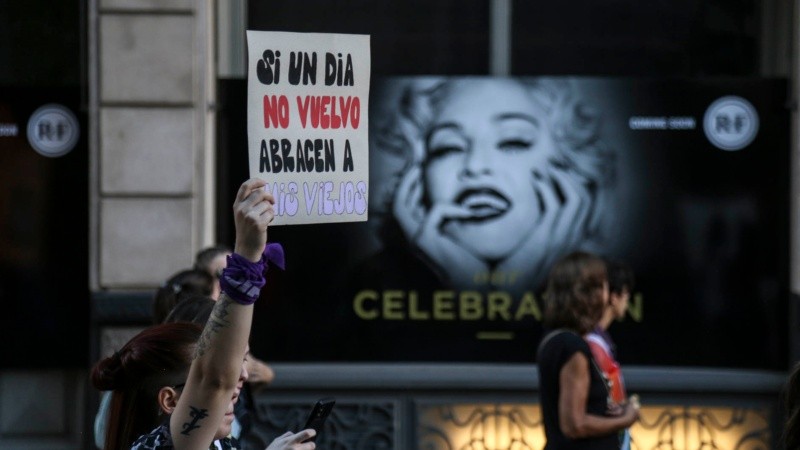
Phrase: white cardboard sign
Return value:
(307, 123)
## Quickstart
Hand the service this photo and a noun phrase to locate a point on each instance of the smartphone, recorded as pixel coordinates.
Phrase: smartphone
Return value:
(319, 413)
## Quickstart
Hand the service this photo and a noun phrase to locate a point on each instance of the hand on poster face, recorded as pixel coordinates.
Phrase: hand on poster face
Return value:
(427, 229)
(565, 207)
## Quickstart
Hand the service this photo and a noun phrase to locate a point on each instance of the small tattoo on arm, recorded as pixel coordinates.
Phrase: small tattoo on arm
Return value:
(197, 414)
(216, 322)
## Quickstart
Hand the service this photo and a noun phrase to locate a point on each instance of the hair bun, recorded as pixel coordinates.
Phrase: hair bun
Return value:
(108, 374)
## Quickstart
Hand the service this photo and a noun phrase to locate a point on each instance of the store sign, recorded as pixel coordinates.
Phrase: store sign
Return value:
(53, 130)
(731, 123)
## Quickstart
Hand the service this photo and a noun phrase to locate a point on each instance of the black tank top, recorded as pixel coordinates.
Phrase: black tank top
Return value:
(554, 352)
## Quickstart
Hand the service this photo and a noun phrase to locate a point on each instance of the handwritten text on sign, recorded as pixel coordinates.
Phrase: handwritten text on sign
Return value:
(307, 123)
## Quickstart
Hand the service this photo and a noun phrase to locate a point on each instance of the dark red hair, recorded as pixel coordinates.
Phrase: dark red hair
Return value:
(158, 356)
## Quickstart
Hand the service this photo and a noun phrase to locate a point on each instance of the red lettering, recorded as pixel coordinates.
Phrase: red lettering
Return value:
(276, 111)
(315, 111)
(302, 107)
(325, 120)
(344, 106)
(325, 113)
(355, 113)
(336, 121)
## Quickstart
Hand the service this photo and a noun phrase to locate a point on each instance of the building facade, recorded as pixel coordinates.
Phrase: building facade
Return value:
(154, 182)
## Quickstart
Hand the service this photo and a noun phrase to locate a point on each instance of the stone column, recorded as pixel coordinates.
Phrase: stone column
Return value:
(151, 146)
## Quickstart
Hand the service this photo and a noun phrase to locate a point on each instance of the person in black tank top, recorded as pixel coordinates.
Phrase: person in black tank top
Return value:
(573, 394)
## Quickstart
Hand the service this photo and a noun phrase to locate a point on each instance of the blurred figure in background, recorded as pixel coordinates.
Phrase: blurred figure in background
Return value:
(212, 260)
(575, 403)
(620, 286)
(179, 286)
(193, 309)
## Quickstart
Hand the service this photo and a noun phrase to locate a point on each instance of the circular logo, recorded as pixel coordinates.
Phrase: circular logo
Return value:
(731, 123)
(53, 130)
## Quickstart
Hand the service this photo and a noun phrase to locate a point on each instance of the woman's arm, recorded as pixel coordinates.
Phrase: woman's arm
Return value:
(573, 419)
(217, 368)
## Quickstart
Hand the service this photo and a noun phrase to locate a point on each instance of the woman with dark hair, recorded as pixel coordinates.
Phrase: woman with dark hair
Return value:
(151, 367)
(190, 308)
(574, 393)
(184, 390)
(194, 309)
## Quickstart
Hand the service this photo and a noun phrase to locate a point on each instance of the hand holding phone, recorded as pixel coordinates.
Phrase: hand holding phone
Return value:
(319, 413)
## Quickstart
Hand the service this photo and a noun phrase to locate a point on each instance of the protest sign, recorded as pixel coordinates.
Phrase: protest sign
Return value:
(307, 123)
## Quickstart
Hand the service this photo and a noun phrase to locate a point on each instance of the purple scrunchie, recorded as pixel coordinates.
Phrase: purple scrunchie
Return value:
(243, 279)
(274, 253)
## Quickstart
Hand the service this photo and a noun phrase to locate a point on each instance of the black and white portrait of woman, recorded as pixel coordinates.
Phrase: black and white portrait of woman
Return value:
(490, 180)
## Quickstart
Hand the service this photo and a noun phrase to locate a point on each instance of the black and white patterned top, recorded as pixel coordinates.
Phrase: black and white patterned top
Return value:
(160, 439)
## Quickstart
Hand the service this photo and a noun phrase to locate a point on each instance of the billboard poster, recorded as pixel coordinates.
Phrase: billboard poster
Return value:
(478, 184)
(307, 123)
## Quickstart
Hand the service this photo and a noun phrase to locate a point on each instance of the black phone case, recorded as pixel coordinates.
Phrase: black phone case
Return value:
(319, 413)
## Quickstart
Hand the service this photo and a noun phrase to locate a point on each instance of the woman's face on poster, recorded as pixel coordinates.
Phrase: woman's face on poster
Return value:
(486, 141)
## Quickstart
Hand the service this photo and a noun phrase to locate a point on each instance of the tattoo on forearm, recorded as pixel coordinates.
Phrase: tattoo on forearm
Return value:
(217, 321)
(197, 414)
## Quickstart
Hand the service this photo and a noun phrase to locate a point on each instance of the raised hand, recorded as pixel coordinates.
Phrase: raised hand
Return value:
(253, 211)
